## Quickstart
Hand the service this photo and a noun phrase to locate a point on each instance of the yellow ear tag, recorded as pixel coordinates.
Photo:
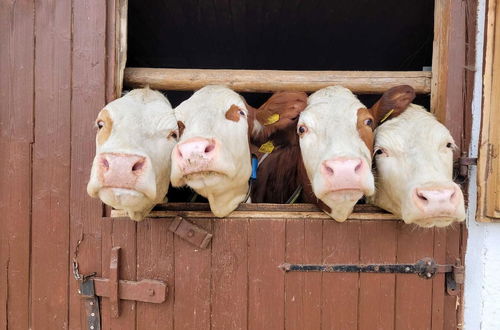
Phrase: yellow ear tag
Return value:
(272, 119)
(387, 116)
(267, 147)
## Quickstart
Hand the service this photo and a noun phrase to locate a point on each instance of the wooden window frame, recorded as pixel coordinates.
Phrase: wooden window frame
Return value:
(488, 180)
(447, 85)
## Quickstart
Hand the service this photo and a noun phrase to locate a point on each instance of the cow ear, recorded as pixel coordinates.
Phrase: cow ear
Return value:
(392, 103)
(281, 108)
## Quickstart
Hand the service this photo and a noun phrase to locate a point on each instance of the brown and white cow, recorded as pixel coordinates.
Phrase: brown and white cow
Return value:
(135, 138)
(414, 164)
(213, 155)
(336, 142)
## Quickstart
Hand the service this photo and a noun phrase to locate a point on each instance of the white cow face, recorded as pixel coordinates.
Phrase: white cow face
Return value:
(336, 141)
(135, 137)
(414, 161)
(213, 154)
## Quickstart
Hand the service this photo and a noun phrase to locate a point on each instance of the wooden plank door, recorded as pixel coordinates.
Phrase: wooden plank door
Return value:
(235, 283)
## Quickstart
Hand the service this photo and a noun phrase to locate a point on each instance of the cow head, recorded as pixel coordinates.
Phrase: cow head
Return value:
(213, 155)
(414, 162)
(336, 141)
(135, 137)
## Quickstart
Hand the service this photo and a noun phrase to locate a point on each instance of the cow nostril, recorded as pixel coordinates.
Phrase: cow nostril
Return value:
(329, 170)
(209, 148)
(421, 197)
(358, 167)
(138, 166)
(105, 163)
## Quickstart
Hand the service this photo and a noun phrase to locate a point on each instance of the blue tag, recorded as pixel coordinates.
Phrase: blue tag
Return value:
(255, 164)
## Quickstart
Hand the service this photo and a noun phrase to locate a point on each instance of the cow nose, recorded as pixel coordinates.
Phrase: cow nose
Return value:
(437, 200)
(344, 173)
(340, 167)
(196, 147)
(120, 170)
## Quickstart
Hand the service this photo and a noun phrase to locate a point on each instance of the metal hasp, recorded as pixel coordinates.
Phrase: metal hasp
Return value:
(91, 287)
(425, 268)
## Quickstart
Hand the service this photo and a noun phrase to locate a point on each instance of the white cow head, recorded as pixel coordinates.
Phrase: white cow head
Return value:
(336, 141)
(414, 161)
(135, 137)
(213, 154)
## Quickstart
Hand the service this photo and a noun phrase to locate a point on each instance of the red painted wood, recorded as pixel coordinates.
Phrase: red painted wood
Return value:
(340, 291)
(192, 283)
(304, 239)
(266, 251)
(155, 260)
(413, 294)
(51, 165)
(378, 243)
(119, 233)
(229, 281)
(88, 97)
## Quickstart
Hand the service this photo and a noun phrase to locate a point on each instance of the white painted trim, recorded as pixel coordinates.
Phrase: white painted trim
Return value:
(482, 259)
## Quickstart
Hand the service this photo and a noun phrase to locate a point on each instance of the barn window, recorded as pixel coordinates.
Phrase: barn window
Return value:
(258, 47)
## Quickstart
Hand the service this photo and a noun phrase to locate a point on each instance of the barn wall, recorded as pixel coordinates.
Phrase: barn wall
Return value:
(482, 261)
(52, 84)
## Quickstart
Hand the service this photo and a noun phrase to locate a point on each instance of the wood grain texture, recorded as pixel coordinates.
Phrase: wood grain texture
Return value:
(16, 137)
(304, 245)
(340, 291)
(378, 244)
(448, 67)
(362, 82)
(51, 166)
(413, 294)
(192, 283)
(229, 282)
(266, 251)
(119, 234)
(155, 260)
(88, 97)
(488, 162)
(15, 203)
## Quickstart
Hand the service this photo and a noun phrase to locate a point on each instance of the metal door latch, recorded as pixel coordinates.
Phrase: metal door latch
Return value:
(425, 268)
(91, 287)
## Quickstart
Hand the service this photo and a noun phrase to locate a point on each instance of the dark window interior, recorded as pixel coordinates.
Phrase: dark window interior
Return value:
(389, 35)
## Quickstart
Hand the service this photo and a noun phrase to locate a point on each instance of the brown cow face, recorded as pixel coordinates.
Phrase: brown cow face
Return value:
(135, 137)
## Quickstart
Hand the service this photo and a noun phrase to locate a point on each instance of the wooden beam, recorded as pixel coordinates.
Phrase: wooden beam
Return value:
(361, 82)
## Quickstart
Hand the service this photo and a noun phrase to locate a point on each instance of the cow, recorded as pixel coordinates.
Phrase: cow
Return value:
(329, 155)
(213, 155)
(135, 138)
(414, 170)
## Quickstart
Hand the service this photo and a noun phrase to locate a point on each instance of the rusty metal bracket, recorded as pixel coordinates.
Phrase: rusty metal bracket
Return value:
(91, 287)
(190, 232)
(462, 165)
(425, 268)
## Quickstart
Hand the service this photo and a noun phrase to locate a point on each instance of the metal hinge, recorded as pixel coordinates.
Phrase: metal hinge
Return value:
(425, 268)
(190, 232)
(91, 287)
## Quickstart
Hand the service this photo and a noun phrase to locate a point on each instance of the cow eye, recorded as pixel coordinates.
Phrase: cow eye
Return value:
(242, 113)
(379, 152)
(302, 129)
(173, 135)
(368, 122)
(449, 145)
(100, 124)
